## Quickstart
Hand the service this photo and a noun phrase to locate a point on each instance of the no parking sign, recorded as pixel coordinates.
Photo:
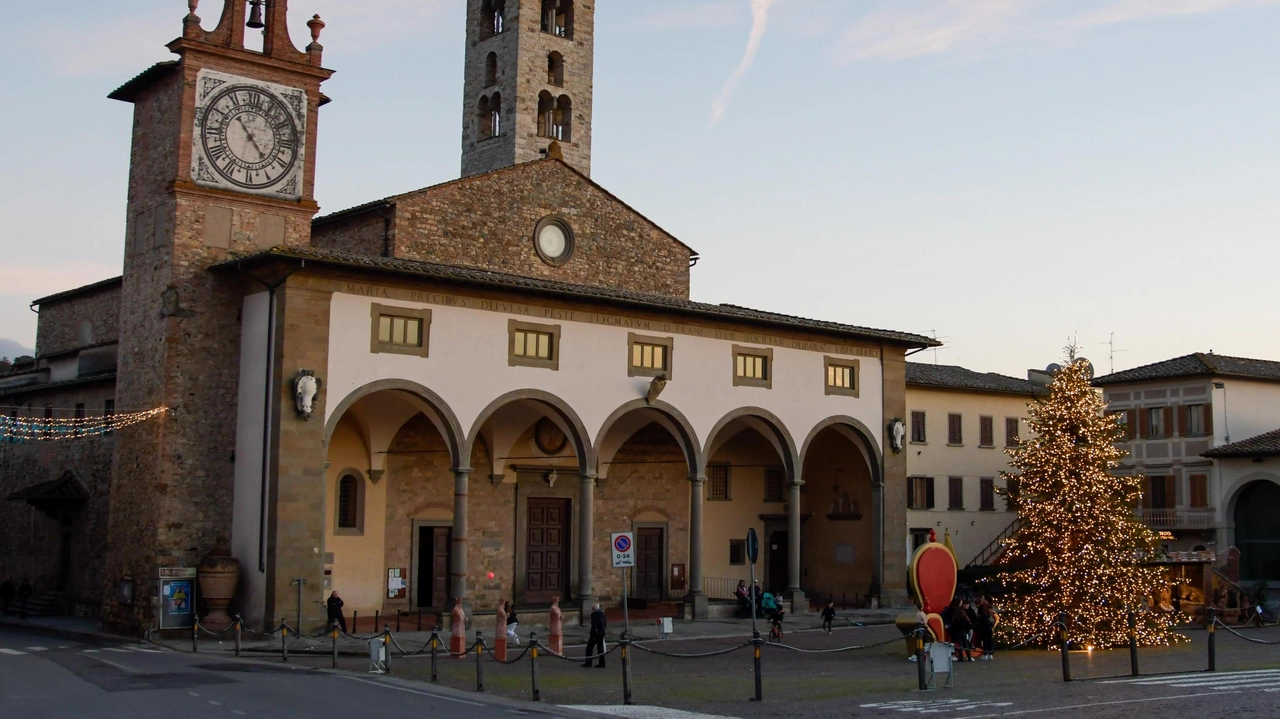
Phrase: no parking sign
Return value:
(623, 547)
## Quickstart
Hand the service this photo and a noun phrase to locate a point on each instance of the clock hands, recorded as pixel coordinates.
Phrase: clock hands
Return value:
(249, 134)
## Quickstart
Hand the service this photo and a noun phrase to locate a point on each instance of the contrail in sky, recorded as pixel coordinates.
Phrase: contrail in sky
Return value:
(759, 22)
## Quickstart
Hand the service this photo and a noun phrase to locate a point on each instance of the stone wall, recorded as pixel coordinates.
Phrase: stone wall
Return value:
(82, 320)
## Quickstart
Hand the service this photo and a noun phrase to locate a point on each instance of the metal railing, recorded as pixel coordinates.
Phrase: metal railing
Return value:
(993, 550)
(719, 588)
(1176, 518)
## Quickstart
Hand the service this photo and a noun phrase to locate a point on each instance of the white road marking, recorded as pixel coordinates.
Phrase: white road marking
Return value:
(37, 649)
(12, 652)
(1208, 680)
(412, 691)
(216, 704)
(193, 694)
(121, 650)
(1191, 675)
(1095, 704)
(90, 651)
(237, 711)
(642, 712)
(935, 706)
(117, 666)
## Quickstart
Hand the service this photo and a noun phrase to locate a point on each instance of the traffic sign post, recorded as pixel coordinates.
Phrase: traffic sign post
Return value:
(623, 547)
(753, 553)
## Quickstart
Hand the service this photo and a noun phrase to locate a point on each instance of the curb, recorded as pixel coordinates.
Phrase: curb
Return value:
(61, 633)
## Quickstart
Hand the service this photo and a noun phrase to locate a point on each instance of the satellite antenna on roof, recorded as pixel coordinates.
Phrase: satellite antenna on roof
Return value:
(1111, 346)
(934, 350)
(1053, 368)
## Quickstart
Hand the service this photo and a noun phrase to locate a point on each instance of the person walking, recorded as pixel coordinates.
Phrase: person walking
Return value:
(24, 594)
(6, 594)
(595, 640)
(512, 624)
(828, 616)
(334, 606)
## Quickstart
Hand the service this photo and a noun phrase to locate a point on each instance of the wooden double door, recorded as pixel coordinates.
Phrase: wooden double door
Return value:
(434, 566)
(650, 569)
(547, 548)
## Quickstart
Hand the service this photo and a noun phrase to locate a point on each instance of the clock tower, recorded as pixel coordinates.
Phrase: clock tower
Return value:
(222, 164)
(528, 83)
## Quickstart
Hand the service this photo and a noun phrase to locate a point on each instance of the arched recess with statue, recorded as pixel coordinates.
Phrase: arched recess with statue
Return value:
(842, 540)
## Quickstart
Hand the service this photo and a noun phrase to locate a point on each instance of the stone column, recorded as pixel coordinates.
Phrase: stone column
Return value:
(695, 601)
(877, 534)
(799, 605)
(586, 541)
(458, 584)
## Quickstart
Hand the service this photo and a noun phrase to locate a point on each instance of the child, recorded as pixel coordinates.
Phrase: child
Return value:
(512, 624)
(828, 616)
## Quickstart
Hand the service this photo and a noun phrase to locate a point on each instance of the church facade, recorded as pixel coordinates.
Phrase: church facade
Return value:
(462, 391)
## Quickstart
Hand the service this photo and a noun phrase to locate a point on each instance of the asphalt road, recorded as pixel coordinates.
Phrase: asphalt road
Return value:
(47, 677)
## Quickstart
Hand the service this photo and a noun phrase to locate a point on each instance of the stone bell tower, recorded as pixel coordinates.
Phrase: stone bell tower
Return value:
(222, 163)
(528, 82)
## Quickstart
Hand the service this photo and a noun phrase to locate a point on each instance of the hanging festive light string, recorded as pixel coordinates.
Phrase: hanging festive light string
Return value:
(42, 429)
(1080, 538)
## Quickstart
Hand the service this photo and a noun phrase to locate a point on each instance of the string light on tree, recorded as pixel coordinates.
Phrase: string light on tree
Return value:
(1080, 540)
(50, 429)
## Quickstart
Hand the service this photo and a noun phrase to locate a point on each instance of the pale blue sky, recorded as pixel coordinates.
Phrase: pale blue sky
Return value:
(1003, 172)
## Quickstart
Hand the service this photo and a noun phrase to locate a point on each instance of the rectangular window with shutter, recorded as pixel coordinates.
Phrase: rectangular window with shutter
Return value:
(954, 433)
(1160, 493)
(1194, 424)
(986, 432)
(399, 330)
(1156, 428)
(1011, 431)
(920, 492)
(955, 492)
(718, 483)
(987, 494)
(1199, 486)
(1122, 421)
(917, 427)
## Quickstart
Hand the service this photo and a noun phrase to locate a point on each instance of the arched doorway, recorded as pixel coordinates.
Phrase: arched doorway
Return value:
(840, 468)
(1257, 530)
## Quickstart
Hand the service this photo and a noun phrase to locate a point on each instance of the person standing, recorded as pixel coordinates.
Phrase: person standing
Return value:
(984, 631)
(334, 606)
(6, 594)
(24, 594)
(512, 624)
(962, 631)
(595, 640)
(828, 616)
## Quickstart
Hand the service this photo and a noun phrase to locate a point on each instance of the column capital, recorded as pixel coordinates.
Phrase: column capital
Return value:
(698, 478)
(587, 476)
(463, 470)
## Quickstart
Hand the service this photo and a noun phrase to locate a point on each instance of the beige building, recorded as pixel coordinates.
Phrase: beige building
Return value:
(960, 423)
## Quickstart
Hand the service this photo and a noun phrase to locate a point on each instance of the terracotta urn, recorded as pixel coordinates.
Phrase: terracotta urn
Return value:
(219, 573)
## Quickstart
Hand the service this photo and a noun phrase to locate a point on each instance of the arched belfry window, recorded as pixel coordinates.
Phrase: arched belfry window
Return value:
(491, 70)
(492, 18)
(349, 515)
(489, 116)
(554, 116)
(557, 17)
(555, 69)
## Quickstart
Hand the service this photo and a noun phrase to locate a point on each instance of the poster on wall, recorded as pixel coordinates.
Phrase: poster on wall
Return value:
(177, 597)
(397, 587)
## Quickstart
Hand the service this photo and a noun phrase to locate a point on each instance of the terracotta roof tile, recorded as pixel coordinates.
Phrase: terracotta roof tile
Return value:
(1195, 365)
(920, 374)
(1264, 445)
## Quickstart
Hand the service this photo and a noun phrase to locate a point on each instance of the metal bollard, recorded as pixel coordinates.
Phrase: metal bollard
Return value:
(355, 622)
(1063, 646)
(1133, 643)
(1211, 616)
(377, 619)
(755, 649)
(479, 665)
(195, 637)
(533, 663)
(921, 658)
(386, 644)
(333, 630)
(284, 640)
(626, 669)
(435, 642)
(239, 626)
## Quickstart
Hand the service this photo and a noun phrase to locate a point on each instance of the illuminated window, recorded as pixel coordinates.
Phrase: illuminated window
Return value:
(649, 356)
(841, 376)
(399, 330)
(532, 345)
(752, 367)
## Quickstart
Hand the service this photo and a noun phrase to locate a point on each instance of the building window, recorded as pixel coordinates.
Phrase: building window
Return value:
(955, 492)
(350, 503)
(773, 485)
(557, 18)
(555, 117)
(954, 433)
(555, 69)
(649, 356)
(489, 116)
(492, 18)
(491, 70)
(919, 492)
(1155, 422)
(919, 538)
(1160, 493)
(1199, 485)
(399, 330)
(987, 494)
(737, 551)
(1011, 432)
(917, 427)
(752, 367)
(532, 345)
(842, 376)
(1194, 425)
(718, 483)
(986, 432)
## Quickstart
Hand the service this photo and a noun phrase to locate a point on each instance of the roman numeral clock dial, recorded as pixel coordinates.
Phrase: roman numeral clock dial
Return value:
(249, 135)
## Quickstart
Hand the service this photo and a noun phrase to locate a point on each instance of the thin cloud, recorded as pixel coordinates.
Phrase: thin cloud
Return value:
(945, 26)
(711, 15)
(759, 23)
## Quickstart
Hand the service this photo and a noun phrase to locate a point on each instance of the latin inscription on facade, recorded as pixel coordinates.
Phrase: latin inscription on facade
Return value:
(554, 314)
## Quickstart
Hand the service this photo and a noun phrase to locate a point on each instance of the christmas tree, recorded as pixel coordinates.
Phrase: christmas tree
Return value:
(1081, 548)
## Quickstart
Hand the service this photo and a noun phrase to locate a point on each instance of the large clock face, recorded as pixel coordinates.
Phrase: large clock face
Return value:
(249, 135)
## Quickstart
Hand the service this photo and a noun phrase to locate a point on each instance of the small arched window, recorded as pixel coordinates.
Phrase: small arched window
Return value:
(492, 18)
(491, 70)
(350, 504)
(489, 116)
(557, 17)
(564, 119)
(555, 69)
(555, 116)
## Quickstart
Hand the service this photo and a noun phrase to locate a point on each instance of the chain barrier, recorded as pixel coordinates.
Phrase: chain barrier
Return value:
(843, 649)
(580, 660)
(1244, 637)
(701, 655)
(527, 647)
